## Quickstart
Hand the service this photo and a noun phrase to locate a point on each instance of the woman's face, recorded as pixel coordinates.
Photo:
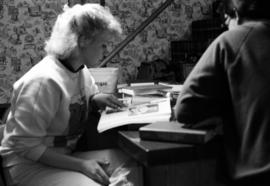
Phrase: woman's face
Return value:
(92, 53)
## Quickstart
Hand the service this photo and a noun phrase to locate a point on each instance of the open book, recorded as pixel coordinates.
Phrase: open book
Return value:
(155, 110)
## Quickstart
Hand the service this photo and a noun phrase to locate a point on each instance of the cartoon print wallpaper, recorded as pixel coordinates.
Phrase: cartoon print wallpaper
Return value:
(26, 24)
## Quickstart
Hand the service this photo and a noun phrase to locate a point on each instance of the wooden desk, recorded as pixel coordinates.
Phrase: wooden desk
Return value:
(171, 164)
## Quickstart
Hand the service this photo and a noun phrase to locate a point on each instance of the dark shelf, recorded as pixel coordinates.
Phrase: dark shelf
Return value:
(186, 53)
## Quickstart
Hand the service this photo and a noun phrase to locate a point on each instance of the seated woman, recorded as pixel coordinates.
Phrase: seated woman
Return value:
(50, 104)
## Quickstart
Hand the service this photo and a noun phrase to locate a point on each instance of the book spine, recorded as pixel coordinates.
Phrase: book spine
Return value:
(173, 137)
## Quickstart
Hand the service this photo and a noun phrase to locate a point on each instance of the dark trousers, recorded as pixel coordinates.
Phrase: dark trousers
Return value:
(258, 180)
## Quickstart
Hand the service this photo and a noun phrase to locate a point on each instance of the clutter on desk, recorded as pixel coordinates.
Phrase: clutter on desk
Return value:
(145, 91)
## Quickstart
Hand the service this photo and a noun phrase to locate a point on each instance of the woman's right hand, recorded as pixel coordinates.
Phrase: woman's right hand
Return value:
(102, 100)
(96, 170)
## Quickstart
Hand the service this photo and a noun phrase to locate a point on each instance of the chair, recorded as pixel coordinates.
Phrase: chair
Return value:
(2, 126)
(2, 178)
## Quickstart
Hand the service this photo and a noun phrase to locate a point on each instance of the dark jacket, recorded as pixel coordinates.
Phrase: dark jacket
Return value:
(232, 80)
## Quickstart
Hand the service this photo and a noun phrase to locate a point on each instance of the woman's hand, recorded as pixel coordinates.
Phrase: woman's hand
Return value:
(96, 170)
(102, 100)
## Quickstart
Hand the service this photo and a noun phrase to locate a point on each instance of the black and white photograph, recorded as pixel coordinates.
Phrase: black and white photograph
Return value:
(134, 93)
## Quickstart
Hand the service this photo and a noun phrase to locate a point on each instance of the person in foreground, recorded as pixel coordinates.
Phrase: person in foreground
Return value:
(231, 81)
(50, 104)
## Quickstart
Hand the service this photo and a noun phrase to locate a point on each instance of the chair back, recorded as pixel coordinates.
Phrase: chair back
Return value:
(2, 127)
(2, 178)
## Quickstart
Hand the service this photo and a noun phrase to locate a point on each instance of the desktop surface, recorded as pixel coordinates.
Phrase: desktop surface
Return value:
(151, 153)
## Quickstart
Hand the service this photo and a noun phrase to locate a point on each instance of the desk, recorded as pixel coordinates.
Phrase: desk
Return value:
(171, 164)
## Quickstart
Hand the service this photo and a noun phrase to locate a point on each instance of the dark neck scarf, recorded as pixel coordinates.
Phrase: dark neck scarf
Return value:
(70, 68)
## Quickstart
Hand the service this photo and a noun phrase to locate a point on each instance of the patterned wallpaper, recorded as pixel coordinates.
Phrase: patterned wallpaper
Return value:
(25, 24)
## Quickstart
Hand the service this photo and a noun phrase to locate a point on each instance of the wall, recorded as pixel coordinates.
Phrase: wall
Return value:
(25, 25)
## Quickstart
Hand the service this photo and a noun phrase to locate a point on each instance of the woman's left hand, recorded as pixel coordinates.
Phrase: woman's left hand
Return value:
(102, 100)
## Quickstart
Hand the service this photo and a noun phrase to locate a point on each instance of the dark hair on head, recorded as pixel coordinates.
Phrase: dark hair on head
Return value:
(229, 8)
(225, 7)
(251, 9)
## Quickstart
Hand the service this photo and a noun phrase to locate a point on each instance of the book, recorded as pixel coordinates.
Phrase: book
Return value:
(144, 89)
(173, 92)
(174, 132)
(145, 113)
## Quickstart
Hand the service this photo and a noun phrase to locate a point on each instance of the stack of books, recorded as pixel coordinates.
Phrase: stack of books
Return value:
(144, 92)
(144, 89)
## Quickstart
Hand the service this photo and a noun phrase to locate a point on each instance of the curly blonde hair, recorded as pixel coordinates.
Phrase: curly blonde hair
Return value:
(86, 20)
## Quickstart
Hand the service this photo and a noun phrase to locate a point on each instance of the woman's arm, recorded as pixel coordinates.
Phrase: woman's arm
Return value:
(34, 105)
(202, 92)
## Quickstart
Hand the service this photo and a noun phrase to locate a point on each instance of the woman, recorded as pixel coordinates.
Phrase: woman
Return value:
(50, 104)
